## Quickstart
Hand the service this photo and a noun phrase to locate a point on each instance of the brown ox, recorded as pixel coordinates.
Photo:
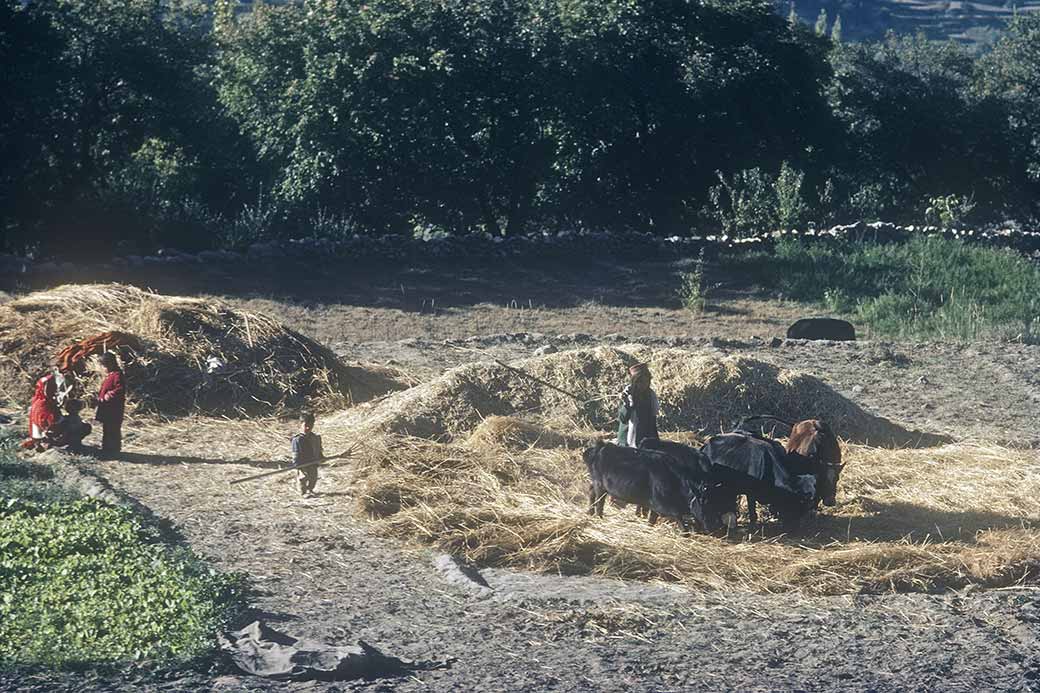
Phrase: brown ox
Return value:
(814, 439)
(812, 449)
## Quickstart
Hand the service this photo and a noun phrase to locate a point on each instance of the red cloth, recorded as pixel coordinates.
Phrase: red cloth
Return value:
(112, 398)
(74, 357)
(44, 412)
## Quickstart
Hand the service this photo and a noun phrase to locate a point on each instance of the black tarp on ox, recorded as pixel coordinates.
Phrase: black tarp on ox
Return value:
(760, 459)
(261, 650)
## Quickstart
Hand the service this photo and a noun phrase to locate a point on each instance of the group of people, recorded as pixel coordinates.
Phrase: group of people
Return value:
(54, 414)
(54, 417)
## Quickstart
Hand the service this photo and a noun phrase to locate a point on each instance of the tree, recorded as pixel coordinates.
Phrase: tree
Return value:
(915, 128)
(662, 94)
(792, 16)
(397, 112)
(108, 76)
(28, 89)
(836, 30)
(1011, 73)
(821, 23)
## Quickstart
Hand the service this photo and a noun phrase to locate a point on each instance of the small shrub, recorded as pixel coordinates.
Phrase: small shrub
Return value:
(692, 291)
(254, 223)
(752, 201)
(791, 209)
(333, 227)
(837, 300)
(743, 203)
(948, 211)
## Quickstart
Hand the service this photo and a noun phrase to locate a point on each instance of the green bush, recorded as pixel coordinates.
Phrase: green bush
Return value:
(948, 211)
(692, 291)
(84, 582)
(753, 201)
(926, 287)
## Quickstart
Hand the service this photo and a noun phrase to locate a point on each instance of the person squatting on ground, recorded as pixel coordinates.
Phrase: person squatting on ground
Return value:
(306, 448)
(111, 405)
(70, 430)
(637, 413)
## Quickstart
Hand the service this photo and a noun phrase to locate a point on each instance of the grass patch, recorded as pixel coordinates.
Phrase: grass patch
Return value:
(87, 583)
(24, 479)
(926, 287)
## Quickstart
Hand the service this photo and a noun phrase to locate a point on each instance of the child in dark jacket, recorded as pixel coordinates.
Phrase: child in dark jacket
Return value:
(306, 448)
(70, 429)
(111, 406)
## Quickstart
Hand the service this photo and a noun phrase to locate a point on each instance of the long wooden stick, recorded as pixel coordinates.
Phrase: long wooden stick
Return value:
(294, 467)
(523, 373)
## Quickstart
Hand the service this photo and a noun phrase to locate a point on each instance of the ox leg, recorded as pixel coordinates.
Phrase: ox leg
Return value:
(752, 510)
(653, 517)
(595, 499)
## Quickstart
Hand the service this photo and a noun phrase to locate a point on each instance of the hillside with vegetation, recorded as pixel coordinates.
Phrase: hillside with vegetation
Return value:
(976, 23)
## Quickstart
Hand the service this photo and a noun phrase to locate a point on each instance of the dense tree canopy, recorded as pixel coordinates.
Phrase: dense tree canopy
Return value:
(169, 123)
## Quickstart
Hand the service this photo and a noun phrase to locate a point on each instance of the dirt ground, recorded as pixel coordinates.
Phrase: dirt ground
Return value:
(319, 571)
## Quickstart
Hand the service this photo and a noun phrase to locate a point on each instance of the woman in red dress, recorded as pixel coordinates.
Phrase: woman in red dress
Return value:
(43, 413)
(111, 403)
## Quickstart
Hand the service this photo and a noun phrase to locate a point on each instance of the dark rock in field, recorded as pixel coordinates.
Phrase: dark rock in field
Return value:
(261, 650)
(822, 328)
(776, 342)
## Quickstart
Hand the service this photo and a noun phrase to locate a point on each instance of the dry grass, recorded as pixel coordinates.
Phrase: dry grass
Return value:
(698, 392)
(907, 520)
(268, 367)
(520, 434)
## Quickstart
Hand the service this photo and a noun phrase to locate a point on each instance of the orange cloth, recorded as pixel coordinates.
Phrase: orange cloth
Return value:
(74, 357)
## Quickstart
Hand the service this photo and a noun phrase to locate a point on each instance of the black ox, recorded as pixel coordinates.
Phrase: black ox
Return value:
(647, 478)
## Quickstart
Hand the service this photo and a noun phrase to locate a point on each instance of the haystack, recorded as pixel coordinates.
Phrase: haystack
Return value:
(906, 520)
(195, 356)
(698, 392)
(520, 434)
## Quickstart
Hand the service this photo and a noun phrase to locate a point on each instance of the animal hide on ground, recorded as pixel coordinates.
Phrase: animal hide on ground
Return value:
(263, 651)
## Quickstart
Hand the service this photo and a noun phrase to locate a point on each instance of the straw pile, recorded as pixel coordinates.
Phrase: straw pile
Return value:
(698, 392)
(907, 520)
(197, 356)
(481, 463)
(520, 434)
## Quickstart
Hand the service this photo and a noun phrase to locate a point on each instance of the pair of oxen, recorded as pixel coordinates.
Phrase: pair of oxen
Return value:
(703, 485)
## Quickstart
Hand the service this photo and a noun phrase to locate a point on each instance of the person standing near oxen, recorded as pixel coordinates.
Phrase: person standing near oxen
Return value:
(111, 406)
(637, 413)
